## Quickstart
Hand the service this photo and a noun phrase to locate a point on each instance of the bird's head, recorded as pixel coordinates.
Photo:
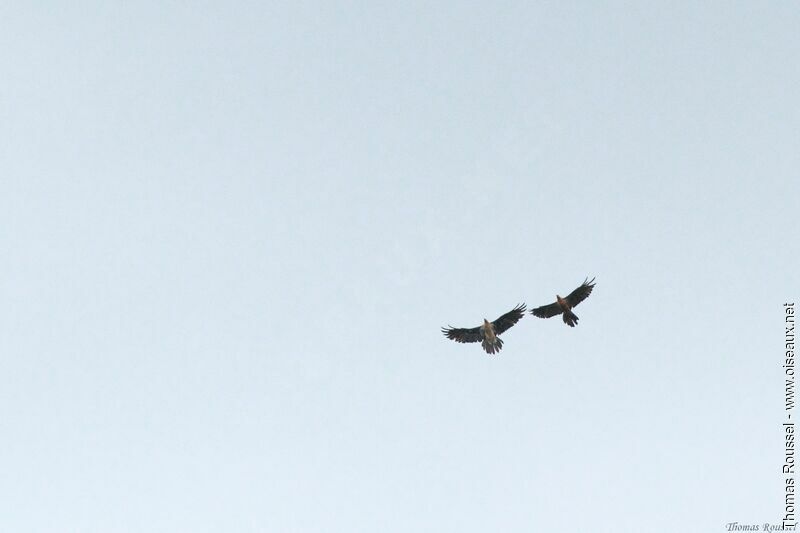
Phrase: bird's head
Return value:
(485, 322)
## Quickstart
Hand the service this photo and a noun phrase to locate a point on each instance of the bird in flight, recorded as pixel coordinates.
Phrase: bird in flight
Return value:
(488, 332)
(563, 306)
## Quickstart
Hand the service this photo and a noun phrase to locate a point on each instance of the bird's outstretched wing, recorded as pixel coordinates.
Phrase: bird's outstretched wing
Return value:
(581, 293)
(509, 319)
(463, 334)
(547, 311)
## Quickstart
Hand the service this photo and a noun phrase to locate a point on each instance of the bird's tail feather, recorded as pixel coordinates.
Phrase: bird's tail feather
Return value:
(570, 319)
(492, 347)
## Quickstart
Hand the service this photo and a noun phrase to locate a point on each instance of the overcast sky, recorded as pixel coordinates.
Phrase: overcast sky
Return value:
(231, 233)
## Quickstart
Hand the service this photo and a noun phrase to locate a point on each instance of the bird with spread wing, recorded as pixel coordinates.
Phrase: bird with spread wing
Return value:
(563, 306)
(487, 333)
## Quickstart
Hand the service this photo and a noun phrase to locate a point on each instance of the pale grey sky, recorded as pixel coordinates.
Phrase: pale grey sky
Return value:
(232, 231)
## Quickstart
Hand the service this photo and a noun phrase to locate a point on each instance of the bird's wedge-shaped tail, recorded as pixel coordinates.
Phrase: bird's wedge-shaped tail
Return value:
(570, 318)
(492, 346)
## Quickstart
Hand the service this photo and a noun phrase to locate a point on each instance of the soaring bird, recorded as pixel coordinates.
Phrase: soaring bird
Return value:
(563, 306)
(488, 332)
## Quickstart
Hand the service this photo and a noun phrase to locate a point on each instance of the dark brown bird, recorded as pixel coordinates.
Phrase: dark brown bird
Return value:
(488, 332)
(563, 306)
